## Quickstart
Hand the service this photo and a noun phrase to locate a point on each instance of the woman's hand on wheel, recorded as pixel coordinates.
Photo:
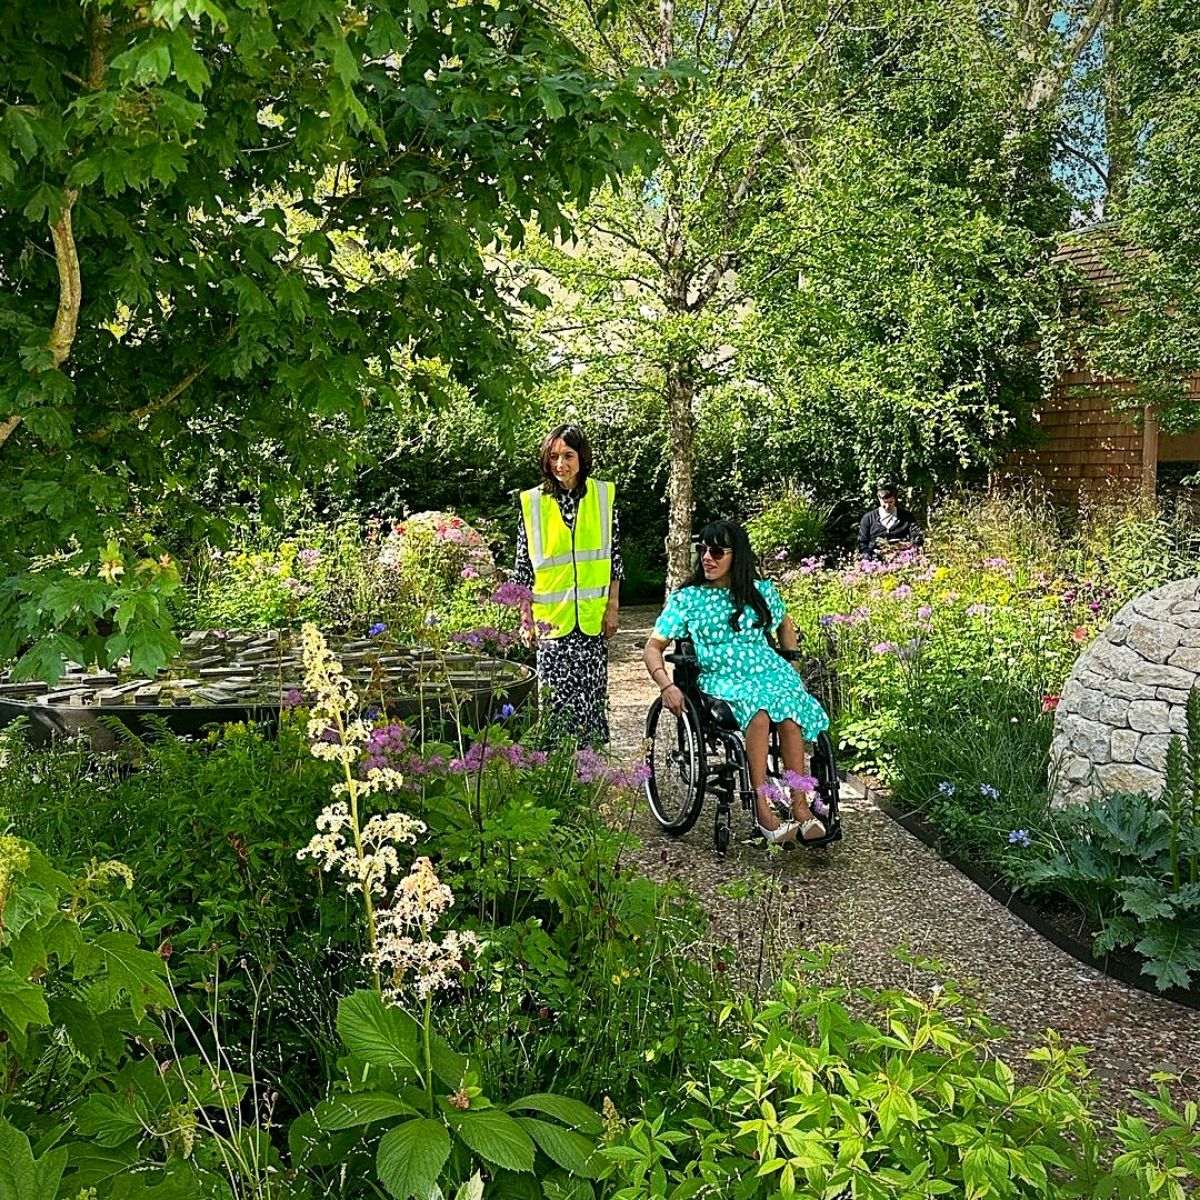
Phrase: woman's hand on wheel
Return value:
(672, 699)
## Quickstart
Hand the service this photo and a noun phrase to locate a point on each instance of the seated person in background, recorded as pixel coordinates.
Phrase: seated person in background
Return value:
(728, 611)
(890, 522)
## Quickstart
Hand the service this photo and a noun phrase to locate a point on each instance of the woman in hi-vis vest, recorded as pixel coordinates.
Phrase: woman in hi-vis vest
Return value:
(567, 556)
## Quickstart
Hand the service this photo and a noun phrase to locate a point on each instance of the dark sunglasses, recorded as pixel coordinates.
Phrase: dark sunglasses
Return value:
(716, 553)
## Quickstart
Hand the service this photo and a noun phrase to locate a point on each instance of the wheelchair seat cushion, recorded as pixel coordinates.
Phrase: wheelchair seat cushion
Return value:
(719, 712)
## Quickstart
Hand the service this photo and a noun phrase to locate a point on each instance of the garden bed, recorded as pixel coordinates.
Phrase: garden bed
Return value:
(1059, 925)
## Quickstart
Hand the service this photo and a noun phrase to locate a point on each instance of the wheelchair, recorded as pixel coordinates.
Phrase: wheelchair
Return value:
(703, 750)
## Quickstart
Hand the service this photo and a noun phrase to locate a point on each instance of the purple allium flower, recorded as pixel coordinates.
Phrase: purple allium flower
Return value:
(798, 782)
(772, 793)
(376, 629)
(924, 612)
(1019, 837)
(293, 698)
(884, 648)
(819, 806)
(902, 592)
(995, 564)
(781, 554)
(809, 565)
(510, 595)
(977, 610)
(826, 620)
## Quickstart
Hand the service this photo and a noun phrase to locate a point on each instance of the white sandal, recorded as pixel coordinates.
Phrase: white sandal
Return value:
(811, 823)
(784, 832)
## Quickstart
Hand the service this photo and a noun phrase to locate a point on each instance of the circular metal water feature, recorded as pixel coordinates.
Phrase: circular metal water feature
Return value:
(248, 676)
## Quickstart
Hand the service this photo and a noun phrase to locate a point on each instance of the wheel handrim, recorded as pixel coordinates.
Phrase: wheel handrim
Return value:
(674, 761)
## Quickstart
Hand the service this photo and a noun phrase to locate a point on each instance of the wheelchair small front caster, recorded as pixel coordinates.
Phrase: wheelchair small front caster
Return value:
(721, 839)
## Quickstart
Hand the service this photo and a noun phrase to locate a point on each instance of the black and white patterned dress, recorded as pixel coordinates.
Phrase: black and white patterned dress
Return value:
(572, 670)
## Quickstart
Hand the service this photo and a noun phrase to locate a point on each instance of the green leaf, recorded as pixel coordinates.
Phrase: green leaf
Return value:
(23, 1177)
(570, 1150)
(189, 66)
(360, 1108)
(496, 1138)
(1172, 952)
(118, 965)
(91, 1164)
(570, 1112)
(111, 1120)
(411, 1157)
(21, 1003)
(380, 1034)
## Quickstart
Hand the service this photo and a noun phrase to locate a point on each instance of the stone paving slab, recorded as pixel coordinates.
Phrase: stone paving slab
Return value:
(880, 888)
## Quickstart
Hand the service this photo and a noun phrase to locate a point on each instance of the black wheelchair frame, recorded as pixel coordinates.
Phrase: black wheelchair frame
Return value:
(704, 750)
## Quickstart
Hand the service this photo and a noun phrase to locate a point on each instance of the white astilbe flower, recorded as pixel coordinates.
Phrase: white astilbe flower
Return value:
(323, 676)
(418, 964)
(420, 899)
(333, 848)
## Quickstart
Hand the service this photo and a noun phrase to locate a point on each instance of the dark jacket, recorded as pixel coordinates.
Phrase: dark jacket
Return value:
(871, 531)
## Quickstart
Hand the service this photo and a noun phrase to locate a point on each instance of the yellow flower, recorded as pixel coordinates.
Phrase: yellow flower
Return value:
(110, 568)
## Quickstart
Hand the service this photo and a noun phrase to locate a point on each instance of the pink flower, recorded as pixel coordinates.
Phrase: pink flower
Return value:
(884, 648)
(1050, 702)
(924, 612)
(1079, 634)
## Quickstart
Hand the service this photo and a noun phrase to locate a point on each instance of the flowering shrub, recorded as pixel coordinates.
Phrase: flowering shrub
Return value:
(949, 661)
(437, 553)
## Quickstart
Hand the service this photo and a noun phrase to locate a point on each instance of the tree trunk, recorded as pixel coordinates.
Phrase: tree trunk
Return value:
(680, 389)
(70, 296)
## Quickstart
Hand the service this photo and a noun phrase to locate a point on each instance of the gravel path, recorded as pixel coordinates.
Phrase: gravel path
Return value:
(880, 889)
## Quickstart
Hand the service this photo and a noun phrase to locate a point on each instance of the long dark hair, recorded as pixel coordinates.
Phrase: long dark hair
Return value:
(742, 575)
(577, 440)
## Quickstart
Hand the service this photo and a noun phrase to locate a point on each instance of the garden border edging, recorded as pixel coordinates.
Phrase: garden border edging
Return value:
(1000, 891)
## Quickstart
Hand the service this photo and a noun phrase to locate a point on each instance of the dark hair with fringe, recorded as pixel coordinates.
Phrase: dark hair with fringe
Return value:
(577, 440)
(742, 575)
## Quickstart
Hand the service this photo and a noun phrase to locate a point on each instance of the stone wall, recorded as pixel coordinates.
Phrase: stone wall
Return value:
(1127, 696)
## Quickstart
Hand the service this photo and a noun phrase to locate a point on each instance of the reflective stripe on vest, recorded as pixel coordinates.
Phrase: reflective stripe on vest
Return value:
(571, 570)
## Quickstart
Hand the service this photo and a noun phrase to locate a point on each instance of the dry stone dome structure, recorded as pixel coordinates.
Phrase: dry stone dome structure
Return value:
(1127, 696)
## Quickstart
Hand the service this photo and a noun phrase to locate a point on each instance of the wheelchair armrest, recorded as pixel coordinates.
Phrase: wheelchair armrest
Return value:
(683, 660)
(790, 655)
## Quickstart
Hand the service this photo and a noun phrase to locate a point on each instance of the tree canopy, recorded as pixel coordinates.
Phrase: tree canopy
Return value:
(230, 227)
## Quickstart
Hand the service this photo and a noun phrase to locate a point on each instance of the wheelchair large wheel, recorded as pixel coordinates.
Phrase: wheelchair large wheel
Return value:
(675, 756)
(824, 769)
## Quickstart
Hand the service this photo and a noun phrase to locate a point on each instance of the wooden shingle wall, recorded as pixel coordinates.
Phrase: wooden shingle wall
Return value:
(1086, 449)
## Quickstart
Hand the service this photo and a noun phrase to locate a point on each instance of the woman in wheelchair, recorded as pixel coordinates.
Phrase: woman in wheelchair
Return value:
(728, 612)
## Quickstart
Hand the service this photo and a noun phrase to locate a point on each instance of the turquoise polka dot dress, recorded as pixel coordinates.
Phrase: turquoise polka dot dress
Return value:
(740, 667)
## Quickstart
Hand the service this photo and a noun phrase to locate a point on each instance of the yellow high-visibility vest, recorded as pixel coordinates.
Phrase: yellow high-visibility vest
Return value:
(572, 571)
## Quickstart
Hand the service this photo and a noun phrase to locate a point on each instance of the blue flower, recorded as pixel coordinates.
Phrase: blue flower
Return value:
(991, 793)
(1019, 837)
(946, 788)
(506, 711)
(376, 629)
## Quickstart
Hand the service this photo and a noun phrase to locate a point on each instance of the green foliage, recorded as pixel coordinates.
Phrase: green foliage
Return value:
(440, 1122)
(1133, 865)
(1152, 82)
(908, 1100)
(265, 220)
(790, 523)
